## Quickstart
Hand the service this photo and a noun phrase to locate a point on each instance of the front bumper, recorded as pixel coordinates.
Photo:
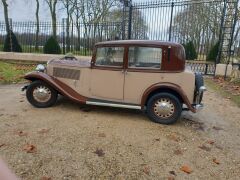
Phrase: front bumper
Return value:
(198, 105)
(24, 87)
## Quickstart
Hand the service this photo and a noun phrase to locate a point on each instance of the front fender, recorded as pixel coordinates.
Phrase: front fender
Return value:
(170, 86)
(61, 87)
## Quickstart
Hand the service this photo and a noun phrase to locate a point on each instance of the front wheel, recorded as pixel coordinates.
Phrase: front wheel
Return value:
(164, 108)
(41, 95)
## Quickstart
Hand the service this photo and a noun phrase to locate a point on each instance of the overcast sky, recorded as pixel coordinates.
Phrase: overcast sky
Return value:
(24, 10)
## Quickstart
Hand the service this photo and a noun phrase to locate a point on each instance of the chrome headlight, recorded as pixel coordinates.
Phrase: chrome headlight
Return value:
(40, 68)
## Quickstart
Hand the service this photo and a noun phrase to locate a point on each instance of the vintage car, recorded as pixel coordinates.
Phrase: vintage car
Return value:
(135, 74)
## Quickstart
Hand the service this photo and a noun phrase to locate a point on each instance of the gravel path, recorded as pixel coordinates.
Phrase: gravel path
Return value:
(72, 141)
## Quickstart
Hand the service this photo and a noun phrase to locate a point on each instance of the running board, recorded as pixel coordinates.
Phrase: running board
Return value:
(127, 106)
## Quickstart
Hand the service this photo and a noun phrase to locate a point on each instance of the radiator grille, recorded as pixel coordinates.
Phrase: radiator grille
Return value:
(66, 73)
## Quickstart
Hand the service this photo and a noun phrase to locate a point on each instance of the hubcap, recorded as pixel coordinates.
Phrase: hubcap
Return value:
(164, 108)
(42, 94)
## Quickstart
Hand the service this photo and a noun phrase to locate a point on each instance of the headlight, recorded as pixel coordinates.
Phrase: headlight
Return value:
(40, 68)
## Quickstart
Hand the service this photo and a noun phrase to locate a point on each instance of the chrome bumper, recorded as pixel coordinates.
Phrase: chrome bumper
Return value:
(24, 88)
(198, 105)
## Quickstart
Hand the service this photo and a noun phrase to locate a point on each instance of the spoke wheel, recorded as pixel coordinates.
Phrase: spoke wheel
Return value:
(164, 108)
(41, 95)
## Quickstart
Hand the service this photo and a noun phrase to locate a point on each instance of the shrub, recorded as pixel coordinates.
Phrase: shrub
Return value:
(11, 43)
(190, 51)
(213, 53)
(52, 46)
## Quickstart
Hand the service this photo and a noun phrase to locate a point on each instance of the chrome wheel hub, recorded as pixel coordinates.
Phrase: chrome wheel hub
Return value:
(164, 108)
(42, 94)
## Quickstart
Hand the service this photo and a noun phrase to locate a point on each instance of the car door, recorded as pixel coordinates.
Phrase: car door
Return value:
(143, 70)
(107, 77)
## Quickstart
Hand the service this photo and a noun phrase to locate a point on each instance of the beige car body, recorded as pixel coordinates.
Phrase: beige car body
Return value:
(88, 81)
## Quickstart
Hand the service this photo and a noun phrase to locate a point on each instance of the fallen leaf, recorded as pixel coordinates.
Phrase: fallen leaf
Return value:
(21, 101)
(216, 161)
(217, 128)
(43, 131)
(101, 135)
(173, 137)
(186, 169)
(21, 133)
(228, 97)
(146, 170)
(29, 148)
(99, 152)
(178, 152)
(1, 145)
(172, 172)
(157, 139)
(46, 178)
(203, 147)
(210, 142)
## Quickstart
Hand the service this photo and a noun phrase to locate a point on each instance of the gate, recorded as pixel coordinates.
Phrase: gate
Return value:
(204, 23)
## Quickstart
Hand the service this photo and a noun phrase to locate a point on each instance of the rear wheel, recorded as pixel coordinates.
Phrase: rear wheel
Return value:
(164, 108)
(41, 95)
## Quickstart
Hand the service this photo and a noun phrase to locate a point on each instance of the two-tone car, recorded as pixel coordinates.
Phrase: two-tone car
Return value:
(135, 74)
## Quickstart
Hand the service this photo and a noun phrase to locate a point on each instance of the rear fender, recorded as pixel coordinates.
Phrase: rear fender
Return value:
(171, 86)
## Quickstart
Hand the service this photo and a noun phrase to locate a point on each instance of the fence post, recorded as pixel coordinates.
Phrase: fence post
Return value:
(10, 34)
(130, 20)
(123, 22)
(63, 35)
(170, 29)
(206, 69)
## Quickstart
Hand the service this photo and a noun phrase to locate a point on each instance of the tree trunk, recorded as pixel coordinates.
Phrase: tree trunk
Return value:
(68, 27)
(54, 24)
(5, 6)
(37, 24)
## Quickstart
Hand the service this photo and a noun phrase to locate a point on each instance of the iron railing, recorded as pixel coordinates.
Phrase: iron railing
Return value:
(182, 21)
(204, 68)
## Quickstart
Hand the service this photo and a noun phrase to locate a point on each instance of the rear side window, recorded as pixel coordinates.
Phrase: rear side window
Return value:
(144, 57)
(109, 56)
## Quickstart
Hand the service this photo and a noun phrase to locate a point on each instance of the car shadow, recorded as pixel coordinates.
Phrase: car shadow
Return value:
(69, 104)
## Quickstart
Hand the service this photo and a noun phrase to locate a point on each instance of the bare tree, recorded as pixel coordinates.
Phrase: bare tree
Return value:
(5, 6)
(69, 6)
(93, 12)
(198, 23)
(52, 4)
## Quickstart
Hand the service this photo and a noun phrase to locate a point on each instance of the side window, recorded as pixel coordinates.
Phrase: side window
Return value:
(144, 57)
(109, 56)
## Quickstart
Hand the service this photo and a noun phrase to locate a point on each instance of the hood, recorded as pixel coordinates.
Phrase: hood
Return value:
(84, 61)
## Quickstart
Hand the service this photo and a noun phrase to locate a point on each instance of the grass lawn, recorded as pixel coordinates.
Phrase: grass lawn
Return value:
(226, 89)
(13, 73)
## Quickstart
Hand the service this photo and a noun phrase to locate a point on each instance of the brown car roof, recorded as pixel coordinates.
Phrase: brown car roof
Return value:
(138, 42)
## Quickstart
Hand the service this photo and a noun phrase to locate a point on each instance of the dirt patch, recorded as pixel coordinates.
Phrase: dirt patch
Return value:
(69, 142)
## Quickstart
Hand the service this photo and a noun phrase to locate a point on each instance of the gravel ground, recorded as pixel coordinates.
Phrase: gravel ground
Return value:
(72, 141)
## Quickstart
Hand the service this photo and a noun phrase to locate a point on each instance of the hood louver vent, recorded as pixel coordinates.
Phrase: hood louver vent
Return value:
(66, 73)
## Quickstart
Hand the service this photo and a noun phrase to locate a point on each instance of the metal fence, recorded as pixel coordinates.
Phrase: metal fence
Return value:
(179, 21)
(79, 41)
(205, 68)
(182, 21)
